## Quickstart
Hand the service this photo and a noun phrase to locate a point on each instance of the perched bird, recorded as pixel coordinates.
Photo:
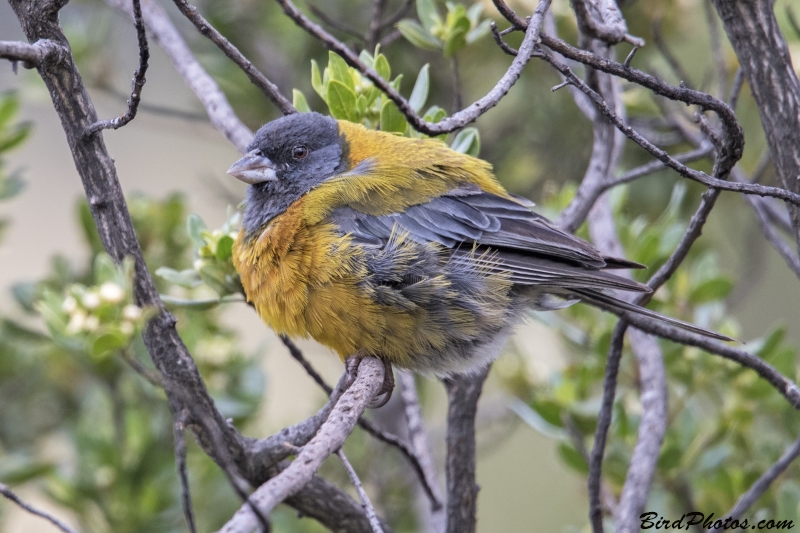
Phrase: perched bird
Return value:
(402, 249)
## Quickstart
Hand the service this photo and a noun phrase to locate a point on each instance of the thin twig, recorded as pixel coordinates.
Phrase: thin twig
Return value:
(328, 439)
(362, 494)
(672, 61)
(655, 166)
(398, 15)
(716, 48)
(454, 122)
(295, 352)
(255, 76)
(137, 84)
(180, 458)
(663, 156)
(335, 24)
(7, 493)
(774, 238)
(153, 377)
(375, 25)
(165, 34)
(763, 483)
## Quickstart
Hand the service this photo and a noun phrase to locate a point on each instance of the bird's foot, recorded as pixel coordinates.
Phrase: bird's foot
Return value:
(384, 394)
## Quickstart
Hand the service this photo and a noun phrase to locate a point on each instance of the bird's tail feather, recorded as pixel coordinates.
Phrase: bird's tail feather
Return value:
(615, 305)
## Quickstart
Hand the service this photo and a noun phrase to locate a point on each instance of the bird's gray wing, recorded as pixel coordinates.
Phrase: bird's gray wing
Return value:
(501, 233)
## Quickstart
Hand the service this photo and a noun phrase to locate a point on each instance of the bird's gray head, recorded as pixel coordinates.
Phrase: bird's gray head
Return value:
(287, 158)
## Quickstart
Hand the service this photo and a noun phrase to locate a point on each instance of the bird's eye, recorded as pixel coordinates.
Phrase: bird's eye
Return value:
(299, 152)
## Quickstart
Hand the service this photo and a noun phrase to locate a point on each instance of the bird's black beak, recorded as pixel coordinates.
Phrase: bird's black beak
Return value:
(253, 168)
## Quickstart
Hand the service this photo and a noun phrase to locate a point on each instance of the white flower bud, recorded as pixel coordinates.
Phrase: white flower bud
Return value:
(70, 305)
(126, 328)
(76, 322)
(198, 264)
(111, 292)
(92, 323)
(132, 312)
(90, 300)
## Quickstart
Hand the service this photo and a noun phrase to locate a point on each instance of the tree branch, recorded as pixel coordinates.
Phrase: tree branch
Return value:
(763, 483)
(449, 124)
(196, 78)
(362, 494)
(421, 448)
(9, 494)
(328, 439)
(32, 55)
(255, 76)
(138, 78)
(463, 392)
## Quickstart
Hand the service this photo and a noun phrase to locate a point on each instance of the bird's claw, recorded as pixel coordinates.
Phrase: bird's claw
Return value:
(384, 394)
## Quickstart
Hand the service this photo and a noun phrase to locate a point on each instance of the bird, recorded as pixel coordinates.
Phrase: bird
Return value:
(403, 249)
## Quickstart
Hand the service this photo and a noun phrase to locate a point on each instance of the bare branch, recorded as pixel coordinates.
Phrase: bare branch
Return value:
(672, 61)
(7, 493)
(153, 377)
(663, 156)
(335, 24)
(375, 25)
(362, 494)
(774, 238)
(137, 84)
(196, 78)
(449, 124)
(763, 483)
(419, 444)
(328, 439)
(398, 15)
(655, 166)
(463, 392)
(652, 428)
(255, 76)
(179, 429)
(392, 440)
(32, 55)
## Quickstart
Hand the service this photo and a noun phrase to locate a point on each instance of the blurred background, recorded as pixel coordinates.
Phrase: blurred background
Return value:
(66, 408)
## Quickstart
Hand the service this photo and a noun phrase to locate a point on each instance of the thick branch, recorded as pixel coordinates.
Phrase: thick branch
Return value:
(767, 65)
(328, 439)
(32, 55)
(463, 392)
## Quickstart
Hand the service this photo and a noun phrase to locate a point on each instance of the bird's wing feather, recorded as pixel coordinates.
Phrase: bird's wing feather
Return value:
(500, 233)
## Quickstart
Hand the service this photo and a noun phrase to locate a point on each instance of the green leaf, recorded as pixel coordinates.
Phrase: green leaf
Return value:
(479, 31)
(195, 228)
(456, 40)
(535, 419)
(392, 119)
(15, 138)
(382, 67)
(670, 457)
(224, 248)
(396, 82)
(435, 114)
(342, 101)
(104, 269)
(416, 35)
(9, 105)
(15, 474)
(366, 58)
(188, 278)
(772, 342)
(474, 14)
(361, 104)
(299, 102)
(467, 141)
(25, 294)
(572, 458)
(419, 94)
(10, 187)
(428, 14)
(316, 82)
(340, 71)
(711, 290)
(107, 343)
